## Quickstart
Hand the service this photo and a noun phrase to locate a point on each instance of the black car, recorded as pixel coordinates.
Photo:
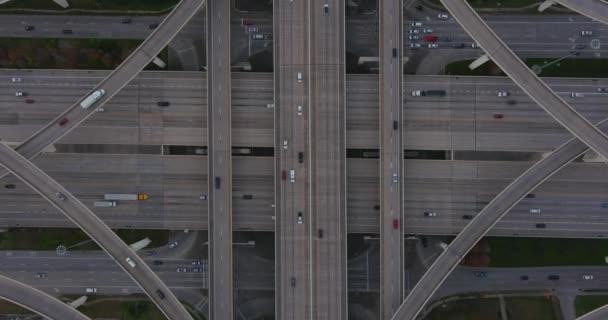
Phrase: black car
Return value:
(458, 45)
(530, 195)
(394, 52)
(523, 278)
(320, 233)
(9, 186)
(511, 102)
(163, 104)
(602, 89)
(467, 217)
(293, 281)
(541, 225)
(395, 125)
(157, 262)
(67, 31)
(153, 25)
(247, 196)
(553, 277)
(300, 157)
(160, 294)
(377, 207)
(419, 7)
(580, 46)
(218, 182)
(29, 28)
(424, 241)
(127, 20)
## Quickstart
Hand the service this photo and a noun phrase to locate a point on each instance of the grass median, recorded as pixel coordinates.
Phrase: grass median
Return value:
(115, 5)
(569, 68)
(585, 304)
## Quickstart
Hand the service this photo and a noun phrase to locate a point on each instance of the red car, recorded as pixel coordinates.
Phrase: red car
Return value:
(430, 38)
(284, 175)
(498, 116)
(63, 121)
(29, 100)
(396, 224)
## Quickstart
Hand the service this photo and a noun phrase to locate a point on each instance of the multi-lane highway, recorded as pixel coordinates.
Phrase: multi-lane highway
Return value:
(525, 78)
(327, 159)
(85, 219)
(220, 160)
(115, 81)
(391, 157)
(37, 301)
(294, 234)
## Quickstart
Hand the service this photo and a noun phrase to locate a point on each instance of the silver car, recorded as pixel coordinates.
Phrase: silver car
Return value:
(395, 178)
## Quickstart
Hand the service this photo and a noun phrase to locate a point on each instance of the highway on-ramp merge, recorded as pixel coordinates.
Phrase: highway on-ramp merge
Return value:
(98, 231)
(37, 301)
(472, 23)
(114, 82)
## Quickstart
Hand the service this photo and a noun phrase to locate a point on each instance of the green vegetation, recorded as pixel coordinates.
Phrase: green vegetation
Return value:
(530, 308)
(117, 5)
(536, 252)
(10, 308)
(121, 309)
(50, 238)
(467, 309)
(100, 54)
(585, 304)
(520, 308)
(572, 68)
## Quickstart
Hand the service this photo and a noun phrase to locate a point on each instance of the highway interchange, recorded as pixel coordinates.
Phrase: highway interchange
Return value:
(469, 186)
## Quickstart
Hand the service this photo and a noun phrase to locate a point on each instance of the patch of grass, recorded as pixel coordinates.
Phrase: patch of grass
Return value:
(122, 5)
(98, 54)
(467, 309)
(43, 239)
(585, 304)
(123, 310)
(571, 68)
(530, 308)
(50, 238)
(7, 307)
(537, 252)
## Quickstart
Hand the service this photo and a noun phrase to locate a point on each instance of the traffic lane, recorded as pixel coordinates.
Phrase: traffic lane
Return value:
(37, 301)
(117, 79)
(92, 225)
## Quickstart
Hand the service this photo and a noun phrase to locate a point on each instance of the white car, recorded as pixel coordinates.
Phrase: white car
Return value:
(416, 24)
(414, 45)
(181, 270)
(414, 31)
(100, 109)
(427, 30)
(503, 94)
(474, 45)
(430, 214)
(284, 144)
(416, 93)
(173, 244)
(576, 95)
(300, 219)
(443, 16)
(19, 94)
(395, 178)
(91, 290)
(433, 46)
(299, 110)
(535, 210)
(414, 37)
(588, 276)
(16, 79)
(586, 33)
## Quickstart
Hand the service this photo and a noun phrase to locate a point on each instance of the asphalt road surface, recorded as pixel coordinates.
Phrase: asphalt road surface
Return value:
(115, 81)
(96, 229)
(293, 240)
(37, 301)
(594, 9)
(391, 159)
(526, 79)
(220, 164)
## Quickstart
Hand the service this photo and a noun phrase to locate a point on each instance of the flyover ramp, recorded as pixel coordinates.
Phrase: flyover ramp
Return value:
(504, 57)
(594, 9)
(85, 219)
(37, 301)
